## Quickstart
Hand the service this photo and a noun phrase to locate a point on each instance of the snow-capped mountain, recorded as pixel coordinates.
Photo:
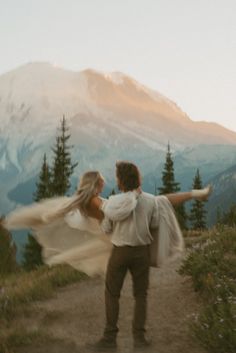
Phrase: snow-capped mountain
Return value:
(111, 117)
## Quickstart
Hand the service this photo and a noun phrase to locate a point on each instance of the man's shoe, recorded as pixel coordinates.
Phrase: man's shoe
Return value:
(105, 344)
(142, 342)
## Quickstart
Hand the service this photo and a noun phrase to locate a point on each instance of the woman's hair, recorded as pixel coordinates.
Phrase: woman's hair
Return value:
(128, 176)
(87, 189)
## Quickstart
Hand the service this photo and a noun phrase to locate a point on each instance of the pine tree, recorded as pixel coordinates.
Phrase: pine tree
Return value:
(181, 215)
(52, 182)
(62, 167)
(168, 176)
(43, 186)
(32, 254)
(171, 186)
(198, 213)
(229, 217)
(7, 252)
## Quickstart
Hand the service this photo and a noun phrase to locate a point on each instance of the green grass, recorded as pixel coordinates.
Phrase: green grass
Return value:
(25, 287)
(212, 265)
(19, 338)
(22, 340)
(17, 291)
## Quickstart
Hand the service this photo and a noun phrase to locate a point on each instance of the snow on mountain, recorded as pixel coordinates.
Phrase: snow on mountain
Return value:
(38, 94)
(111, 116)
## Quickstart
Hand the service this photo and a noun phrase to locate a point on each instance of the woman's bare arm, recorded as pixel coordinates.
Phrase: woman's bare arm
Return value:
(94, 209)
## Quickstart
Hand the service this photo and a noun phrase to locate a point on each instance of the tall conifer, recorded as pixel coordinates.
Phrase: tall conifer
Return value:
(43, 186)
(168, 176)
(53, 181)
(32, 255)
(197, 212)
(62, 168)
(169, 185)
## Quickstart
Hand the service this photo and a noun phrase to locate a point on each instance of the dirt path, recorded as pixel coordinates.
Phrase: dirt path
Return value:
(75, 316)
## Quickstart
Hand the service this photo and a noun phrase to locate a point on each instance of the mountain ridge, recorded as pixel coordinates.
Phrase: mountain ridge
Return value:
(111, 116)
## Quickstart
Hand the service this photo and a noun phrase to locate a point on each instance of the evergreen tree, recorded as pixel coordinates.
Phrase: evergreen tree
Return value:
(181, 215)
(168, 176)
(52, 182)
(197, 213)
(171, 186)
(32, 254)
(43, 186)
(229, 218)
(62, 167)
(7, 252)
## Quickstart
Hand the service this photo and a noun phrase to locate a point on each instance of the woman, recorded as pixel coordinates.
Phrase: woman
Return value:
(67, 228)
(70, 229)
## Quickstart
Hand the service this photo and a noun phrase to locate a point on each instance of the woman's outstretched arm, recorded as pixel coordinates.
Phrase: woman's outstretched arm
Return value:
(182, 197)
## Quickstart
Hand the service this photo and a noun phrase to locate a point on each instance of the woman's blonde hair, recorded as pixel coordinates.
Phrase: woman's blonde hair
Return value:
(87, 189)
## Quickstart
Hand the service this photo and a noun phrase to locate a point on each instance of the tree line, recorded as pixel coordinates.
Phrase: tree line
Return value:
(196, 219)
(54, 180)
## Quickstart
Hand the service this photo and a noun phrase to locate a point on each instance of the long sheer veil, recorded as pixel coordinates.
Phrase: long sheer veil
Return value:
(80, 241)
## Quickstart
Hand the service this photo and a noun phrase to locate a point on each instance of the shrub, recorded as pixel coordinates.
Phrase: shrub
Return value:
(212, 265)
(7, 253)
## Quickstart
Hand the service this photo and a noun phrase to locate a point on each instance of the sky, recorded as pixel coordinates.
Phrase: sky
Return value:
(184, 49)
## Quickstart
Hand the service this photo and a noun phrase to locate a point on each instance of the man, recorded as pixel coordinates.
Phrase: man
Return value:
(131, 238)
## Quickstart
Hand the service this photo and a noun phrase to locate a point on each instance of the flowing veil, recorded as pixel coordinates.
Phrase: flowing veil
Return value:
(81, 242)
(73, 239)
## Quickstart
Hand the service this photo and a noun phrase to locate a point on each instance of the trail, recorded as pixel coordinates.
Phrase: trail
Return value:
(75, 316)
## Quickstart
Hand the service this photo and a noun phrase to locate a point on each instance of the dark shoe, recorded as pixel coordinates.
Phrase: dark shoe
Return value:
(105, 344)
(142, 342)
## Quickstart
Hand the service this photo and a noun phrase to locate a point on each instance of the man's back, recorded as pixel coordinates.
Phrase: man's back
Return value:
(135, 229)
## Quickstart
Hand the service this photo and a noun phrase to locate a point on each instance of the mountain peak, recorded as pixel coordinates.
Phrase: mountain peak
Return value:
(42, 91)
(111, 116)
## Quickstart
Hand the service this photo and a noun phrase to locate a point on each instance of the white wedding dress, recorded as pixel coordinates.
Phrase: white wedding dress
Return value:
(81, 242)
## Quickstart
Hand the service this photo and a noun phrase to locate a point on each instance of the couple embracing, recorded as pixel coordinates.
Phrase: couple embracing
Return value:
(128, 232)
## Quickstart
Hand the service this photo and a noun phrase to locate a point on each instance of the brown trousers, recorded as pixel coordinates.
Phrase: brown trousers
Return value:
(136, 260)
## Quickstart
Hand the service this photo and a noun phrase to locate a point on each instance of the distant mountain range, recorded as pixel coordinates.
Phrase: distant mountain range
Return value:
(111, 117)
(224, 195)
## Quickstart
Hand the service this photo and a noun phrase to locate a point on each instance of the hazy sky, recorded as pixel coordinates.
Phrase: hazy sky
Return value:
(185, 49)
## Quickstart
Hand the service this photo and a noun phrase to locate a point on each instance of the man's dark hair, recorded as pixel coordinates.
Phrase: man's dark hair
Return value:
(128, 176)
